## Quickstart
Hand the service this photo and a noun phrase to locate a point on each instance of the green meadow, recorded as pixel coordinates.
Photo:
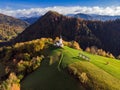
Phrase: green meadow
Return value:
(100, 73)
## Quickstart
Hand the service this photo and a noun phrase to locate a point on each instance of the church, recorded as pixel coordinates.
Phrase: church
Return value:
(59, 43)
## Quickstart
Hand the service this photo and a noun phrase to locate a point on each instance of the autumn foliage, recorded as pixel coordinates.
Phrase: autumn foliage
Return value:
(101, 52)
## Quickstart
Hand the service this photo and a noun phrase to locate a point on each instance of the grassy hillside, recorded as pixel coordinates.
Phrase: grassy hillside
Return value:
(49, 78)
(65, 70)
(38, 65)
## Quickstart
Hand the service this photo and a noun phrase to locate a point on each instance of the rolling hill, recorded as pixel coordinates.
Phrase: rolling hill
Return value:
(98, 75)
(10, 27)
(38, 64)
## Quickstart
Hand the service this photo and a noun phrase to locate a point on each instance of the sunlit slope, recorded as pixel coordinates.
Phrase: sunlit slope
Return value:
(53, 73)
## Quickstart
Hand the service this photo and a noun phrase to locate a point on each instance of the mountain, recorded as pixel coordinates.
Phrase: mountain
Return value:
(30, 20)
(52, 24)
(84, 16)
(96, 17)
(104, 35)
(10, 27)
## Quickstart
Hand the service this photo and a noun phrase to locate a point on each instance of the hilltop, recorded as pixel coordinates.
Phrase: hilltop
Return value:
(86, 33)
(37, 64)
(93, 75)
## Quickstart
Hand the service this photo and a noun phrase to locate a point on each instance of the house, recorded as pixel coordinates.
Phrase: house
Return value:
(59, 43)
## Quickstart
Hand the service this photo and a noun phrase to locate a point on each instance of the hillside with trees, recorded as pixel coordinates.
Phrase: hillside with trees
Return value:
(10, 27)
(86, 33)
(35, 64)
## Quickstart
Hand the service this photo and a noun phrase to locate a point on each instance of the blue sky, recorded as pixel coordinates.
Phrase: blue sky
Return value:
(29, 8)
(20, 4)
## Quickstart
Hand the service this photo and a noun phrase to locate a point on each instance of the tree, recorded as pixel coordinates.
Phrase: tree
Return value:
(118, 57)
(93, 50)
(87, 49)
(75, 45)
(101, 52)
(111, 55)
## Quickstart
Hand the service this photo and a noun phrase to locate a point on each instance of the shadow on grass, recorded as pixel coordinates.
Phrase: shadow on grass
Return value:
(48, 77)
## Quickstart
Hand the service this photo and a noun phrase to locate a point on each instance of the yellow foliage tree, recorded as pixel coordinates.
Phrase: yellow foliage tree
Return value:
(87, 49)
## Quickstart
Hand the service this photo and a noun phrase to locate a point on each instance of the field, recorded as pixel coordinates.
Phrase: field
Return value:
(102, 73)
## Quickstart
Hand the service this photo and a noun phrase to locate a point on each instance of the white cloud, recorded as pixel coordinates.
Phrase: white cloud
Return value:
(63, 10)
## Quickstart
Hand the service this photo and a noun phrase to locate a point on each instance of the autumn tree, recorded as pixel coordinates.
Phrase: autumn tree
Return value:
(101, 52)
(118, 57)
(93, 50)
(75, 45)
(87, 49)
(111, 55)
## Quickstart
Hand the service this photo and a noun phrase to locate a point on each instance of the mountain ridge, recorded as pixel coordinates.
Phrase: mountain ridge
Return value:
(87, 33)
(96, 17)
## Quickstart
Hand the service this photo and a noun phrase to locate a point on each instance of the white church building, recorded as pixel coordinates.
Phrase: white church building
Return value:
(59, 43)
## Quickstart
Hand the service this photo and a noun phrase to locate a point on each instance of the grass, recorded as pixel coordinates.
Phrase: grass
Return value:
(112, 68)
(98, 78)
(48, 77)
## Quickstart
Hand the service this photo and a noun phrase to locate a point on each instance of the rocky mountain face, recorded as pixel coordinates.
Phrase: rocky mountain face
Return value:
(10, 27)
(104, 35)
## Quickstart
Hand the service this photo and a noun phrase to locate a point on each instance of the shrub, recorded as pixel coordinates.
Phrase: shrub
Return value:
(101, 52)
(26, 56)
(83, 77)
(93, 50)
(12, 83)
(72, 44)
(21, 66)
(118, 57)
(29, 66)
(20, 76)
(111, 55)
(87, 49)
(75, 45)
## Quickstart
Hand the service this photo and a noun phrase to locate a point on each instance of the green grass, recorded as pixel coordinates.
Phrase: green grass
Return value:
(112, 68)
(48, 77)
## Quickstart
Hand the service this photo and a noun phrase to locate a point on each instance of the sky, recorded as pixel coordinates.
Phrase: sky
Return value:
(28, 8)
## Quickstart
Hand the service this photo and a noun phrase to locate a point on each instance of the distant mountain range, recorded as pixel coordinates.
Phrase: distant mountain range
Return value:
(33, 19)
(30, 20)
(96, 17)
(104, 35)
(10, 27)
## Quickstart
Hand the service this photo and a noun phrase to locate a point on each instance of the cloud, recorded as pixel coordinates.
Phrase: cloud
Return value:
(63, 10)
